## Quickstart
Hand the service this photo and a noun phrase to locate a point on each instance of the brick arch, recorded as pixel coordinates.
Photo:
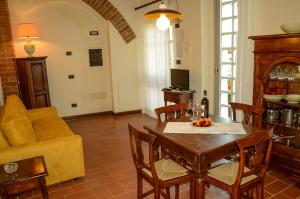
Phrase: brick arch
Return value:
(109, 12)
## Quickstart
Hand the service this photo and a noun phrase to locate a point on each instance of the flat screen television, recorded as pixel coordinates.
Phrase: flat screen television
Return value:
(180, 79)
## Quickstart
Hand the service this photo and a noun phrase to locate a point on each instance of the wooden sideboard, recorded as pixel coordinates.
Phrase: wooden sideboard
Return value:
(177, 96)
(33, 82)
(276, 58)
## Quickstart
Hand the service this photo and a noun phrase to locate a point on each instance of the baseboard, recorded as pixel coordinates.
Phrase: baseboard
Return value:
(83, 116)
(91, 115)
(128, 112)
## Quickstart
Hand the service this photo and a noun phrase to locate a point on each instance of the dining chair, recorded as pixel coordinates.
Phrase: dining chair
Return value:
(171, 112)
(238, 177)
(160, 173)
(250, 113)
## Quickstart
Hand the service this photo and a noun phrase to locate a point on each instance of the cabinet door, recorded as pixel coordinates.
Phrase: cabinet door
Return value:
(39, 84)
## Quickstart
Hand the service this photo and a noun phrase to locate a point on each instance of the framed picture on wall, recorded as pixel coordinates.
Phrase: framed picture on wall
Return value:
(95, 56)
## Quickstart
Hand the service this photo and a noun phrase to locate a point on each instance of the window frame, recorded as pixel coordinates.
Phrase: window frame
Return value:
(218, 58)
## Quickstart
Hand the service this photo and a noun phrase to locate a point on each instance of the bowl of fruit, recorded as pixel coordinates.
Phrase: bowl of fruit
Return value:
(202, 122)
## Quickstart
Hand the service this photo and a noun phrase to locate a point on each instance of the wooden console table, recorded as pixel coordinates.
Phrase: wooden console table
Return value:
(30, 175)
(177, 96)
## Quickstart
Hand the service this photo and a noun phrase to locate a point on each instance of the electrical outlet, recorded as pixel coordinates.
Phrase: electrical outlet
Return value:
(74, 105)
(68, 53)
(71, 76)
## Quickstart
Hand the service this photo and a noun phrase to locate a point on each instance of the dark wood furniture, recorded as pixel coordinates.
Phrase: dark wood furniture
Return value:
(198, 149)
(271, 52)
(250, 113)
(177, 96)
(288, 158)
(33, 82)
(171, 112)
(160, 173)
(240, 178)
(30, 175)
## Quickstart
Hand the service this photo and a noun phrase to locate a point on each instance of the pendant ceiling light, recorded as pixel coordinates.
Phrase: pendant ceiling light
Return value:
(163, 16)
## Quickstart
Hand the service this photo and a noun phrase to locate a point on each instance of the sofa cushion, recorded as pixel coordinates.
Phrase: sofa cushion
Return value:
(18, 132)
(3, 140)
(42, 113)
(49, 128)
(15, 122)
(16, 102)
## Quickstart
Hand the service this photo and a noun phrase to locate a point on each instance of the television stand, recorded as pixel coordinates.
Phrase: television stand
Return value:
(177, 96)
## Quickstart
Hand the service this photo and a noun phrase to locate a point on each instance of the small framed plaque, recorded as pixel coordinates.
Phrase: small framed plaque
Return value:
(94, 32)
(95, 56)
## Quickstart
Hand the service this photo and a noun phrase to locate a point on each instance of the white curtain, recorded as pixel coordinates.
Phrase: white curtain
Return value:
(245, 62)
(156, 71)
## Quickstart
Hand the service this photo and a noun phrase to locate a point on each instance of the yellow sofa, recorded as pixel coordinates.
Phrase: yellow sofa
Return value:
(28, 133)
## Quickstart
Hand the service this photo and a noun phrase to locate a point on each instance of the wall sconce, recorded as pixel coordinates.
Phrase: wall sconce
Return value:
(27, 31)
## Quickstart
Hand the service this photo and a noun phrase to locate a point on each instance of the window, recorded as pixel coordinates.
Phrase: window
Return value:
(227, 60)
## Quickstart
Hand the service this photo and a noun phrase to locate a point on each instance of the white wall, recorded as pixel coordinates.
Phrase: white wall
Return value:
(65, 25)
(60, 32)
(199, 24)
(270, 14)
(192, 57)
(199, 49)
(125, 76)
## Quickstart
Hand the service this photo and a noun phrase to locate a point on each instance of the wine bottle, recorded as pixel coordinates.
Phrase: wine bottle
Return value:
(205, 105)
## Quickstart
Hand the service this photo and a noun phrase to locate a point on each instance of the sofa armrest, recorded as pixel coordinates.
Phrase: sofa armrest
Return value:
(63, 157)
(40, 113)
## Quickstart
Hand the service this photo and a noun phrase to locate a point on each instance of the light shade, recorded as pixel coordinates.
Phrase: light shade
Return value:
(27, 30)
(155, 14)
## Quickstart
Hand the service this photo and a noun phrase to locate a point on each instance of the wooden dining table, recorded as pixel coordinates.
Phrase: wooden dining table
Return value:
(199, 150)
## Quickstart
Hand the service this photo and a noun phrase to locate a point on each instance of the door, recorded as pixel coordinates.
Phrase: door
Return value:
(40, 91)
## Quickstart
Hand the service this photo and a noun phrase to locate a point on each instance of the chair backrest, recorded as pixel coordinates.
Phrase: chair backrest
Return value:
(171, 111)
(137, 139)
(251, 114)
(255, 152)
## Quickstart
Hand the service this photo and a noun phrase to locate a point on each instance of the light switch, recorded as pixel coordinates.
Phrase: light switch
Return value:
(68, 53)
(71, 76)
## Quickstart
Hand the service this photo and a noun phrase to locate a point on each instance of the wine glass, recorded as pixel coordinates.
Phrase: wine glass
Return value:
(192, 106)
(198, 109)
(281, 74)
(291, 74)
(274, 73)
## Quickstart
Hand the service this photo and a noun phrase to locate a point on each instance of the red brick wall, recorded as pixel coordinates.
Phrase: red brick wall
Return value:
(7, 53)
(109, 12)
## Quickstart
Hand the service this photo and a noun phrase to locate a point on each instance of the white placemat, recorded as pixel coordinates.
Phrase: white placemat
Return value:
(215, 128)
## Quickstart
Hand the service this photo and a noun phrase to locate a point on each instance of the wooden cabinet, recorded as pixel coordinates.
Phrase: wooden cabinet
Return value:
(177, 96)
(276, 69)
(33, 81)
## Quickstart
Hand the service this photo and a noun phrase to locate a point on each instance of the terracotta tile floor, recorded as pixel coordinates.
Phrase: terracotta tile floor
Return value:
(110, 173)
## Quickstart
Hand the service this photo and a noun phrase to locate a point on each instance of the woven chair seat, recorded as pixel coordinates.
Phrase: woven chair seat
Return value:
(227, 173)
(167, 169)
